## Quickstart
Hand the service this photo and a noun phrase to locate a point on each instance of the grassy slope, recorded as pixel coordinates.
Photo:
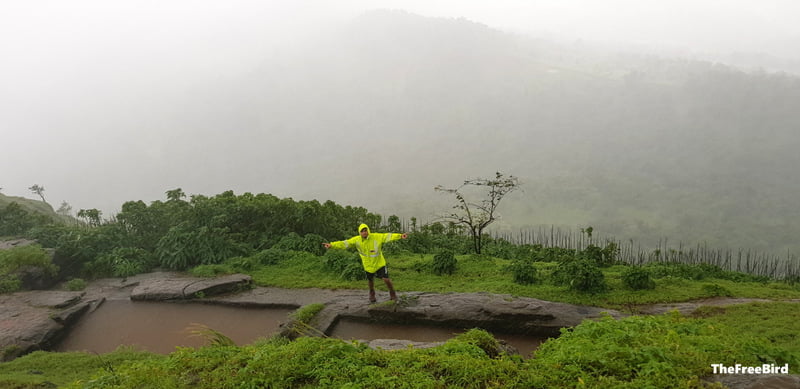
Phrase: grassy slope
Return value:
(35, 206)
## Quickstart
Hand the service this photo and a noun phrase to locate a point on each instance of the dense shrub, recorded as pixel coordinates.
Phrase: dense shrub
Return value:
(270, 256)
(500, 248)
(444, 262)
(524, 271)
(637, 278)
(604, 257)
(120, 262)
(291, 241)
(76, 284)
(16, 262)
(78, 246)
(582, 275)
(347, 264)
(180, 248)
(10, 284)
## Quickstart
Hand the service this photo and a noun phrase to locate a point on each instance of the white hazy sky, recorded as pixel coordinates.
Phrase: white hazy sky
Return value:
(58, 58)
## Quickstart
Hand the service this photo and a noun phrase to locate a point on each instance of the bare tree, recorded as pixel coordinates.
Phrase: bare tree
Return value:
(477, 216)
(39, 190)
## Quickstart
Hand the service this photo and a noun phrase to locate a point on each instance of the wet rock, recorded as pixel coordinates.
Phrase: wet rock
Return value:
(37, 320)
(188, 288)
(50, 298)
(501, 313)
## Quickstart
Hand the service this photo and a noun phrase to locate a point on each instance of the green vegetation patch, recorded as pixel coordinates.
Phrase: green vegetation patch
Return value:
(778, 323)
(37, 369)
(635, 352)
(20, 259)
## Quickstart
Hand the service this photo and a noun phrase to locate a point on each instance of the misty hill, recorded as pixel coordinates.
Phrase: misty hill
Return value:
(28, 205)
(35, 208)
(638, 147)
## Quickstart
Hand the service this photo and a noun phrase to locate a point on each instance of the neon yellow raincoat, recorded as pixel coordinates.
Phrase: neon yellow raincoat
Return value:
(370, 248)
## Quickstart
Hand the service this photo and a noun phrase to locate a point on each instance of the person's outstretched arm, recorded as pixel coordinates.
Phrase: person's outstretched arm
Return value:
(391, 236)
(340, 244)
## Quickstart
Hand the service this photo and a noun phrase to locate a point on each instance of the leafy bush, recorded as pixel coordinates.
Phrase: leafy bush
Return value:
(483, 340)
(78, 247)
(180, 249)
(310, 243)
(524, 271)
(582, 275)
(290, 242)
(12, 260)
(444, 262)
(637, 278)
(270, 256)
(26, 259)
(501, 249)
(604, 257)
(10, 284)
(76, 284)
(345, 263)
(120, 262)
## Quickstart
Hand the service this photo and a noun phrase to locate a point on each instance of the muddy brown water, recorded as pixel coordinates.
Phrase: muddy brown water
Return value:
(160, 327)
(355, 330)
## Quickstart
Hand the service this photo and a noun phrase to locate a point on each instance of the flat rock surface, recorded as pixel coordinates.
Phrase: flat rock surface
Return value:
(181, 288)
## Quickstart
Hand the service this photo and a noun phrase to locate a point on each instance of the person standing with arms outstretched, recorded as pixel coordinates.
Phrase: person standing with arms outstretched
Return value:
(369, 246)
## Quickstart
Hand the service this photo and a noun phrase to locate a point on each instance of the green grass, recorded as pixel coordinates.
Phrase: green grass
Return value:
(777, 322)
(487, 274)
(38, 368)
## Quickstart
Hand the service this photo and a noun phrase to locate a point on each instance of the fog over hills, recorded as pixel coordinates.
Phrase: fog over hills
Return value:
(377, 113)
(637, 146)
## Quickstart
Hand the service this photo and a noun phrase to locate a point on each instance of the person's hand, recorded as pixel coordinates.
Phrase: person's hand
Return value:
(404, 236)
(327, 245)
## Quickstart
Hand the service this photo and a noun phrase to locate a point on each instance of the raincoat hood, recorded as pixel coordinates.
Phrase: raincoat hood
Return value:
(363, 226)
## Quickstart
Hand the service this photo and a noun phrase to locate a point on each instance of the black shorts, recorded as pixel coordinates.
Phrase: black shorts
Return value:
(381, 273)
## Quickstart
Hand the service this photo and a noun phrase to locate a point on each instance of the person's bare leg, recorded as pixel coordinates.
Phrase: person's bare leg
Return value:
(372, 291)
(392, 294)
